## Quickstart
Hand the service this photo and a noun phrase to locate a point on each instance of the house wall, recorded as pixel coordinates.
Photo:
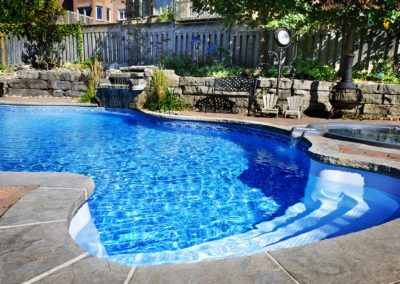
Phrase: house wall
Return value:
(114, 5)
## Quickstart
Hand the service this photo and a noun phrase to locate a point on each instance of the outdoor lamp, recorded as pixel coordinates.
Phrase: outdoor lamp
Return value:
(283, 37)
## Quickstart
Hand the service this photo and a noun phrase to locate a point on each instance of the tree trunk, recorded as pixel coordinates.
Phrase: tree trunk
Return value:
(348, 39)
(263, 46)
(3, 50)
(396, 49)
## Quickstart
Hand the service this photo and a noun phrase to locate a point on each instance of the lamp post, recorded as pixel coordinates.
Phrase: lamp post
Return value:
(283, 38)
(292, 73)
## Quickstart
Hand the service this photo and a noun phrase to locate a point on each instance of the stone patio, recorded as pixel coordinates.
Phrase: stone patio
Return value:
(35, 246)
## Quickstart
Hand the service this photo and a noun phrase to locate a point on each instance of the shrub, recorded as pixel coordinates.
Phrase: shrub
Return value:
(218, 71)
(384, 71)
(160, 97)
(166, 15)
(96, 73)
(183, 64)
(314, 70)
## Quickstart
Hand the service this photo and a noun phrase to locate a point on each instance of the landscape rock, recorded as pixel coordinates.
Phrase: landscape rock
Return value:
(38, 93)
(192, 81)
(58, 93)
(28, 74)
(372, 98)
(391, 99)
(369, 88)
(302, 84)
(391, 89)
(27, 84)
(59, 85)
(171, 77)
(379, 110)
(266, 82)
(17, 92)
(54, 76)
(79, 86)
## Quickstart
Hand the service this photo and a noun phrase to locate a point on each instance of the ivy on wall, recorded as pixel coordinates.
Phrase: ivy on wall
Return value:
(76, 31)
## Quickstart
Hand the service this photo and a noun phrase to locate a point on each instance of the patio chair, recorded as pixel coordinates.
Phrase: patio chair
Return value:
(269, 104)
(294, 106)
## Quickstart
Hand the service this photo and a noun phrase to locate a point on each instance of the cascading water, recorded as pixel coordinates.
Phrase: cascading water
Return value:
(299, 132)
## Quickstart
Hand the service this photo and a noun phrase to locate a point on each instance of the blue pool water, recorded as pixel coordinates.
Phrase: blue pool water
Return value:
(176, 191)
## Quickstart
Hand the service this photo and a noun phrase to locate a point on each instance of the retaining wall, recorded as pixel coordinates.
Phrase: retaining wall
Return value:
(33, 83)
(378, 99)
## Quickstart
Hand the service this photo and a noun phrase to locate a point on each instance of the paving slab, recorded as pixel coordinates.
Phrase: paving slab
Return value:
(9, 195)
(31, 250)
(369, 256)
(89, 270)
(64, 180)
(35, 207)
(258, 268)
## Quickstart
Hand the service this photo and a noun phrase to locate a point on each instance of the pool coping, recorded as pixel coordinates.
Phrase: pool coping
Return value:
(37, 246)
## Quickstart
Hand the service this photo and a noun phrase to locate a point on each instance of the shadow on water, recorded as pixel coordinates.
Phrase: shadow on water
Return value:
(281, 176)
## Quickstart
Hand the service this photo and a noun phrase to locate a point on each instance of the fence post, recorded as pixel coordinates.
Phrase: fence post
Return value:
(3, 50)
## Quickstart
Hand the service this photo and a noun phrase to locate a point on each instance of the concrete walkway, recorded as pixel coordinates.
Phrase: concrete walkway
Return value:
(35, 246)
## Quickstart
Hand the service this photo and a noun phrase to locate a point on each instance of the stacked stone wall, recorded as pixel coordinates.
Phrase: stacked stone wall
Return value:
(33, 83)
(378, 98)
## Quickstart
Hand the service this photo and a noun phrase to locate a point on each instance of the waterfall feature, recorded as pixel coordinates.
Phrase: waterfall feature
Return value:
(298, 132)
(122, 87)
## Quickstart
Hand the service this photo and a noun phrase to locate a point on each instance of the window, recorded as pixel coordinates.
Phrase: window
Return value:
(86, 11)
(99, 13)
(108, 15)
(121, 15)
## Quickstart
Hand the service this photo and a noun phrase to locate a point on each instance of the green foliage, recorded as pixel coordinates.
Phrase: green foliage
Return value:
(58, 32)
(385, 71)
(347, 18)
(314, 70)
(166, 15)
(218, 71)
(184, 66)
(161, 98)
(37, 21)
(43, 38)
(74, 30)
(95, 74)
(8, 28)
(305, 15)
(16, 11)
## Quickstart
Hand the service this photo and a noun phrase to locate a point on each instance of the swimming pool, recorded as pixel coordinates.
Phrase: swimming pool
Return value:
(175, 191)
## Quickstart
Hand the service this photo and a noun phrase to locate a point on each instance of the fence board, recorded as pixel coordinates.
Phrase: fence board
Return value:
(146, 44)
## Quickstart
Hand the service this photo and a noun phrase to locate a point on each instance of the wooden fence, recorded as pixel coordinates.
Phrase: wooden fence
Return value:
(148, 43)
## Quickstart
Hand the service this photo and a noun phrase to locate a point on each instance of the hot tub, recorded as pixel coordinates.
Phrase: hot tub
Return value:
(377, 135)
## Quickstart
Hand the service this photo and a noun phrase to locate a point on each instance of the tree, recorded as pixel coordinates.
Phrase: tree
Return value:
(43, 36)
(37, 19)
(347, 17)
(16, 11)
